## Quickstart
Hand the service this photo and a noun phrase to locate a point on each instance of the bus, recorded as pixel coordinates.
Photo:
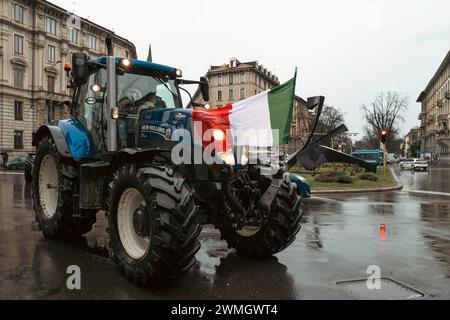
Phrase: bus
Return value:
(372, 156)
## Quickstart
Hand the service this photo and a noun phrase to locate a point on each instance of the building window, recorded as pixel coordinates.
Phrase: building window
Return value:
(51, 54)
(242, 94)
(51, 84)
(230, 79)
(18, 13)
(219, 95)
(92, 42)
(73, 35)
(18, 140)
(242, 77)
(256, 78)
(51, 112)
(18, 110)
(18, 77)
(230, 95)
(219, 81)
(18, 44)
(51, 26)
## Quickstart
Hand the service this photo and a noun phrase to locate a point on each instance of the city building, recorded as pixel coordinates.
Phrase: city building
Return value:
(37, 39)
(435, 115)
(237, 81)
(410, 147)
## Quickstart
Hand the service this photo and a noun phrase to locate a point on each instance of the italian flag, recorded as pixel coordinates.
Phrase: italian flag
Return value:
(263, 120)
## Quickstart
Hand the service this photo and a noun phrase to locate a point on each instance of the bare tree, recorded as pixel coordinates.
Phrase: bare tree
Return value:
(330, 119)
(384, 113)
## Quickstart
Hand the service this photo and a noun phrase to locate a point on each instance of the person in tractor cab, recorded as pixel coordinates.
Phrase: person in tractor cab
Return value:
(133, 106)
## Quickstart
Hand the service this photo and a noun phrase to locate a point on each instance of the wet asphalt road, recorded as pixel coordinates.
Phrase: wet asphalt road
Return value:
(340, 239)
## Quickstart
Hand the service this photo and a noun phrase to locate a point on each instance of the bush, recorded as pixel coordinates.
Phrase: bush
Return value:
(334, 177)
(345, 179)
(369, 177)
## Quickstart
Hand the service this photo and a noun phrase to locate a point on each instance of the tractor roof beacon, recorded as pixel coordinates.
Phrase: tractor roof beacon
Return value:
(114, 154)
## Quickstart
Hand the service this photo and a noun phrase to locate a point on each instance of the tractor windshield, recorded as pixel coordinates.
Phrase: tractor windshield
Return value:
(138, 92)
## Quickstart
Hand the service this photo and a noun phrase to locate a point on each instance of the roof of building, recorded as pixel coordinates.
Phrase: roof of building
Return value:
(243, 66)
(441, 68)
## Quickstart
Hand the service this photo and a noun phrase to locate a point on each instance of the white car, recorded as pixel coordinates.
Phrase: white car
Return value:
(414, 164)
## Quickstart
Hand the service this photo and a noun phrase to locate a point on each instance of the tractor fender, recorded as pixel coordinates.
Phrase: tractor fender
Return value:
(58, 137)
(71, 138)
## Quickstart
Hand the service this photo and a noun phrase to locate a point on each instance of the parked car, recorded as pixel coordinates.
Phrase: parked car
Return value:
(414, 164)
(17, 164)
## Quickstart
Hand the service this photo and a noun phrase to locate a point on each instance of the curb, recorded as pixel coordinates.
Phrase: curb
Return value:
(398, 187)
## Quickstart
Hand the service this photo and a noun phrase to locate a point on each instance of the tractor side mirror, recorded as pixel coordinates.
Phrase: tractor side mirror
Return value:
(316, 102)
(204, 88)
(80, 67)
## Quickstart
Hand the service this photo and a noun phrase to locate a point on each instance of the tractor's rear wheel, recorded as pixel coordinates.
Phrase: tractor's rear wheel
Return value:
(152, 223)
(54, 187)
(28, 170)
(274, 232)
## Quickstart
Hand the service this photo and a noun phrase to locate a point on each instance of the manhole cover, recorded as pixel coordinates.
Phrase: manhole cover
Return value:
(390, 290)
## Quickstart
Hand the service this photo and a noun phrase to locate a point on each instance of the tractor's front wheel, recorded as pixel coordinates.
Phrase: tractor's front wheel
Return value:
(267, 233)
(152, 223)
(54, 186)
(28, 170)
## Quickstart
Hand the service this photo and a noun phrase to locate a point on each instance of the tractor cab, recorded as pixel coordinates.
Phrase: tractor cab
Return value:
(142, 94)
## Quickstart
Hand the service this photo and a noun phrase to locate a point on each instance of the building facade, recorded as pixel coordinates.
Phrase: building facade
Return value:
(37, 39)
(435, 115)
(414, 136)
(237, 81)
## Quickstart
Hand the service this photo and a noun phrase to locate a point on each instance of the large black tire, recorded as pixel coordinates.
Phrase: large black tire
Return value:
(172, 241)
(67, 221)
(276, 233)
(28, 170)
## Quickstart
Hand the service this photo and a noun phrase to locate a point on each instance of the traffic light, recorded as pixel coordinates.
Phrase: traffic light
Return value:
(383, 135)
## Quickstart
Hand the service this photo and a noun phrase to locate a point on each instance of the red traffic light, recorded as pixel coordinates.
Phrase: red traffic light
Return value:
(384, 133)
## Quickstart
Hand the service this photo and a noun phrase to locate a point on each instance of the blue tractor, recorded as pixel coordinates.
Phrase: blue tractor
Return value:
(115, 154)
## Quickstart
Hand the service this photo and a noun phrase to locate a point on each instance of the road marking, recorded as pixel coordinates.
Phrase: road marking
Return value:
(429, 193)
(11, 173)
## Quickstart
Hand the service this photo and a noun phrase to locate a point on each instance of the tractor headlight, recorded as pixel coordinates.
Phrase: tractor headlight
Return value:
(178, 73)
(126, 63)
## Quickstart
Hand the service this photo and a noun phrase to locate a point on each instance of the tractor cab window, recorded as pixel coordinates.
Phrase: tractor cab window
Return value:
(92, 98)
(142, 92)
(137, 95)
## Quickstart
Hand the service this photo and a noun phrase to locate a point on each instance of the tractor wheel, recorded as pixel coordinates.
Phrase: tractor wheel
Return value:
(54, 186)
(274, 233)
(152, 223)
(28, 170)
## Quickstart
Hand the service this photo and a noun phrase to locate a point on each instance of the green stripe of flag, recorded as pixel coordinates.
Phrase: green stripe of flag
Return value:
(281, 105)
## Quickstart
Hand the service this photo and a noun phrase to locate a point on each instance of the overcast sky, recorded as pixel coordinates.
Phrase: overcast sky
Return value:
(347, 51)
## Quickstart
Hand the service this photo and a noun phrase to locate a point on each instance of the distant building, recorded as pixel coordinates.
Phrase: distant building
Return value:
(414, 136)
(435, 115)
(237, 81)
(37, 38)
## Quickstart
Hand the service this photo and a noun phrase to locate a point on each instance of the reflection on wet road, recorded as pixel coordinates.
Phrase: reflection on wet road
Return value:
(406, 235)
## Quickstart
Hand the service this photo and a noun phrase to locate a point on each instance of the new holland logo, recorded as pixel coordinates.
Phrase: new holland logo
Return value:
(166, 133)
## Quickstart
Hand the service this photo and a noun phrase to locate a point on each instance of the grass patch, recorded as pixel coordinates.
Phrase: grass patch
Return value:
(358, 178)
